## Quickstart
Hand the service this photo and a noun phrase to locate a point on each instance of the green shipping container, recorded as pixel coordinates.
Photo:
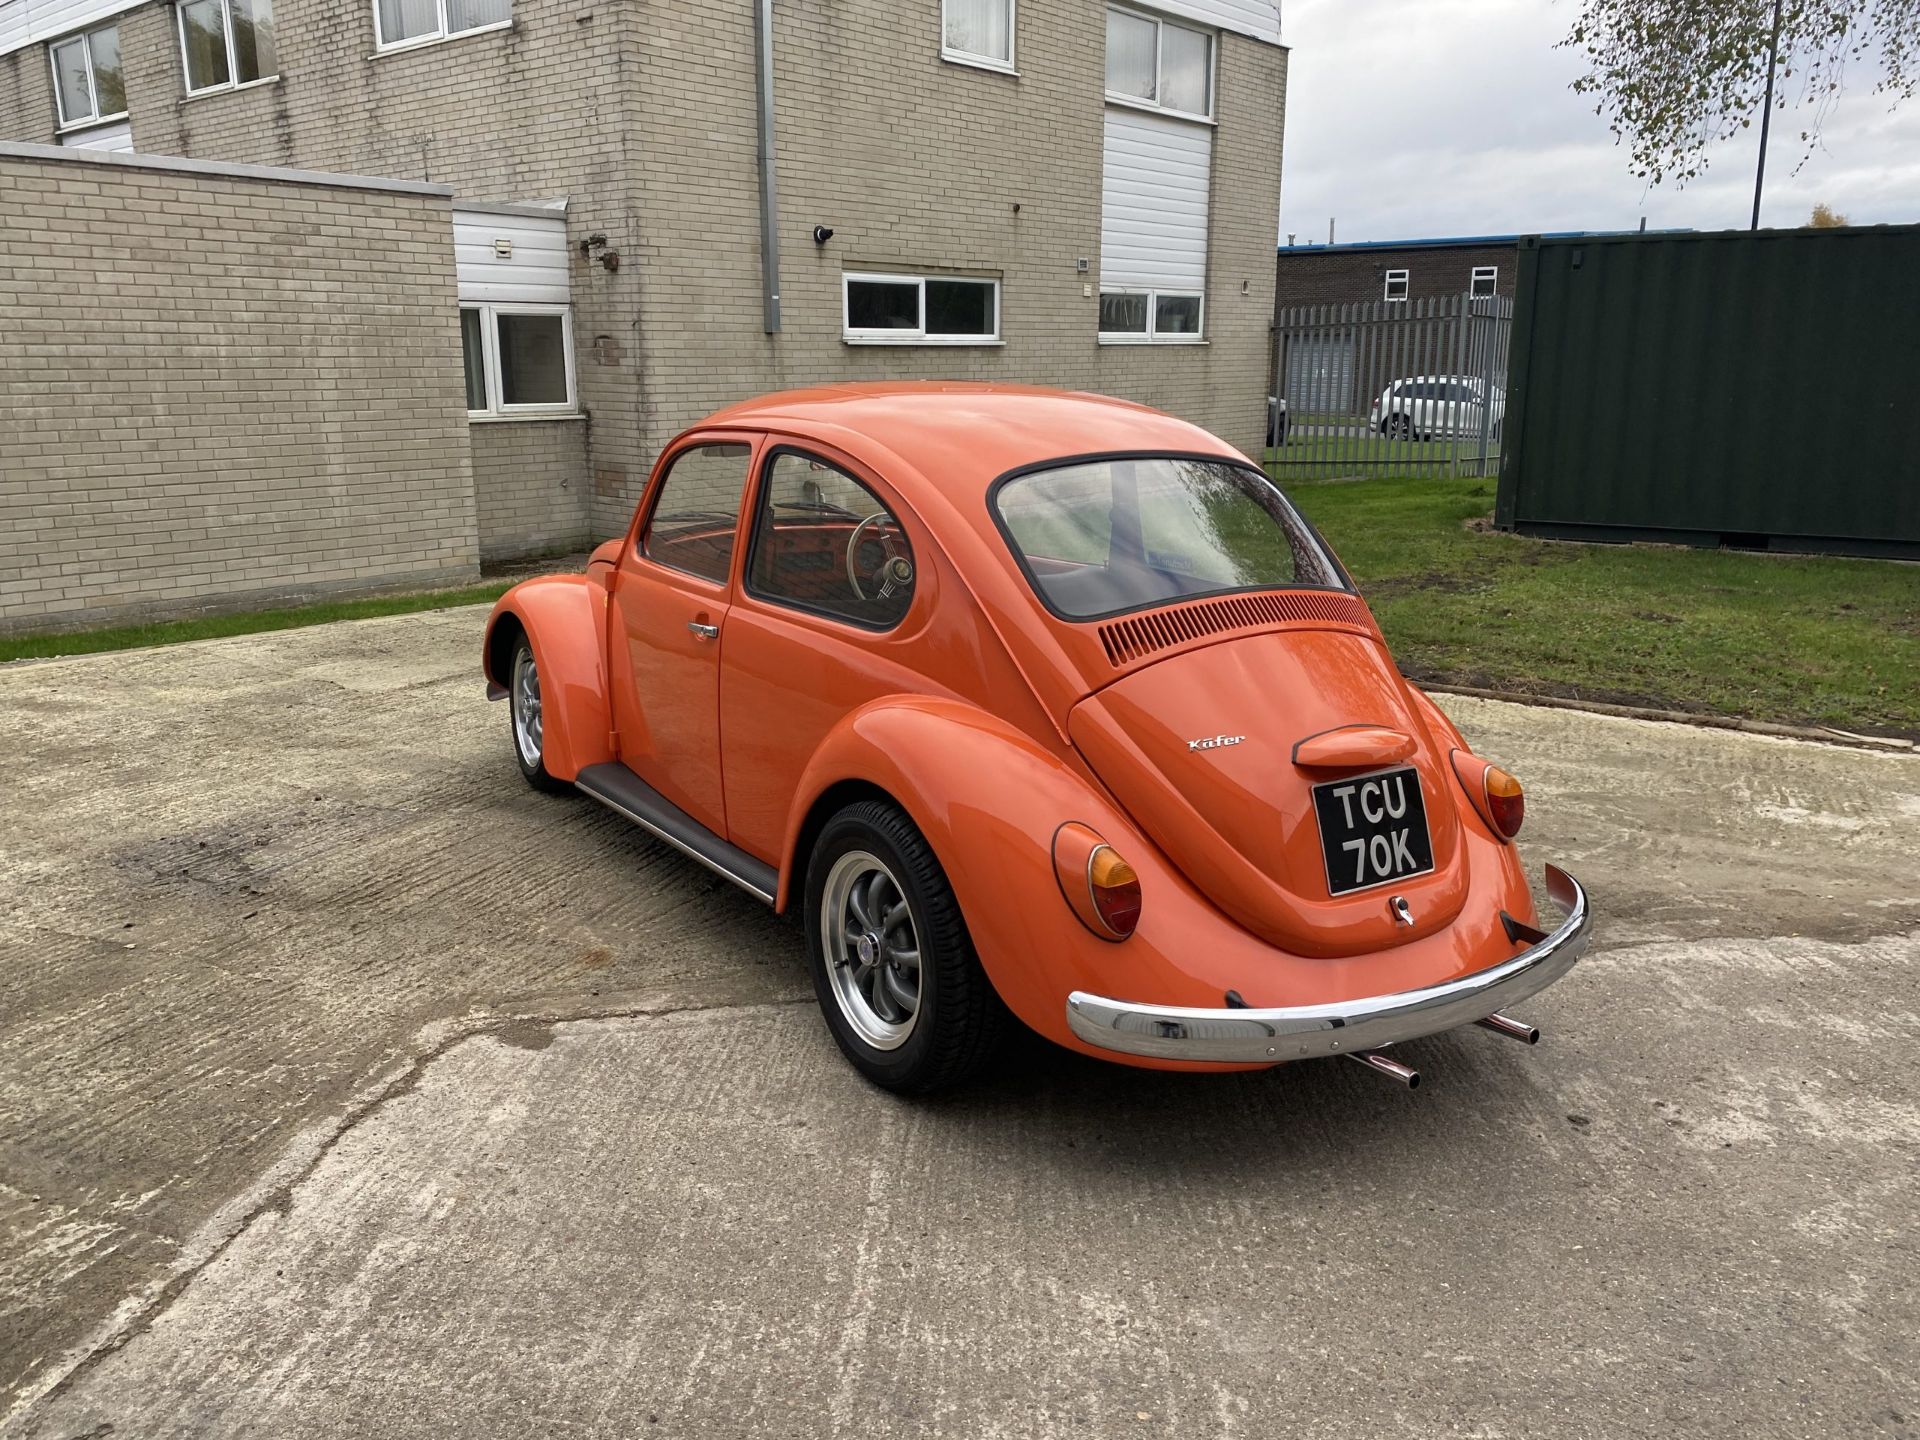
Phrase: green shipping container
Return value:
(1756, 389)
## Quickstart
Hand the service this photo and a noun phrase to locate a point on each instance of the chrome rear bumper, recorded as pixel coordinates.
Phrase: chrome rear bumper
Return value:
(1302, 1032)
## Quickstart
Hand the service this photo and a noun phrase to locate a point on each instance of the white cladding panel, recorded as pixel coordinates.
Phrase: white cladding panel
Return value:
(118, 138)
(22, 22)
(1153, 201)
(538, 271)
(1258, 18)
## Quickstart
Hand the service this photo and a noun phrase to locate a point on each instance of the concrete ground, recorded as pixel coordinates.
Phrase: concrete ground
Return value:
(348, 1087)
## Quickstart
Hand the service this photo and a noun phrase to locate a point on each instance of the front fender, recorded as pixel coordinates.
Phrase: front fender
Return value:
(564, 618)
(989, 799)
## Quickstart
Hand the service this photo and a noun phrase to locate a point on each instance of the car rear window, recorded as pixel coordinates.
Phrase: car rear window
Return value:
(1102, 537)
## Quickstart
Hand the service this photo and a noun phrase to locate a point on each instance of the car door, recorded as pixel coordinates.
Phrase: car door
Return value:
(1423, 407)
(1466, 410)
(668, 628)
(829, 609)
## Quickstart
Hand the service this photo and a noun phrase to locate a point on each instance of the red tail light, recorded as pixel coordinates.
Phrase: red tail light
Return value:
(1116, 891)
(1506, 801)
(1500, 799)
(1101, 887)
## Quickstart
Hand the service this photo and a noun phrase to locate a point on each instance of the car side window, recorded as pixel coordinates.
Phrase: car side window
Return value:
(824, 542)
(698, 510)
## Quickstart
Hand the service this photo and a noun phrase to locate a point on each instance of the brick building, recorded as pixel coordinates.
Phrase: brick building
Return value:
(1365, 271)
(1064, 192)
(1371, 270)
(171, 429)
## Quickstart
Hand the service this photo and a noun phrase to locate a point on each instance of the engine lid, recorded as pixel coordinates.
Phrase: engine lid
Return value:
(1215, 753)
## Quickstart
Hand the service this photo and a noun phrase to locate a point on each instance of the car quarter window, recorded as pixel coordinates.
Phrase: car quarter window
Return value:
(824, 542)
(694, 518)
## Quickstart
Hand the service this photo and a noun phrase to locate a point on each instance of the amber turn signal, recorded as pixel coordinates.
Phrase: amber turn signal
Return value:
(1116, 891)
(1101, 888)
(1499, 798)
(1506, 801)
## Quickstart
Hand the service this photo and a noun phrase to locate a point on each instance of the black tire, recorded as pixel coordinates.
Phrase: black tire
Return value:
(958, 1021)
(1397, 427)
(533, 769)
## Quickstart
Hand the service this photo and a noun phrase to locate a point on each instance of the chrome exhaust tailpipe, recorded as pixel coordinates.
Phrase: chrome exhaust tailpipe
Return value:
(1386, 1065)
(1511, 1028)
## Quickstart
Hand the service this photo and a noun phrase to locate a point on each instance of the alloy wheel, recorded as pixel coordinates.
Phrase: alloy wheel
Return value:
(526, 708)
(872, 949)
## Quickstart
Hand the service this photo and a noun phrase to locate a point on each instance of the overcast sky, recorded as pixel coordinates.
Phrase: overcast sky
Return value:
(1420, 118)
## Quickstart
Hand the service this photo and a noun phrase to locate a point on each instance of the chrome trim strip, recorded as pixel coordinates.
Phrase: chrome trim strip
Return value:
(685, 849)
(1303, 1032)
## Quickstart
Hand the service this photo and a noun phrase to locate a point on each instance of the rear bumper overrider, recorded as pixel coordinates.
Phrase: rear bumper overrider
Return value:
(1304, 1032)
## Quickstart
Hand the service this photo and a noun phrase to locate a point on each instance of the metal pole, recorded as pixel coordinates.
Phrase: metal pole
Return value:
(1766, 115)
(1488, 333)
(769, 194)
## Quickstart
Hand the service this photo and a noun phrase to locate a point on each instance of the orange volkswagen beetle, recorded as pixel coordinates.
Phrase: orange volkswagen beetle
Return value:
(1037, 703)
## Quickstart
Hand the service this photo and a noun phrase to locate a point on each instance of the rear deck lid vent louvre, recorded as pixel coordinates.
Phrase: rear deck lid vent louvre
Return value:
(1138, 636)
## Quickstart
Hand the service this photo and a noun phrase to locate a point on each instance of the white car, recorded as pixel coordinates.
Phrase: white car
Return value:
(1427, 407)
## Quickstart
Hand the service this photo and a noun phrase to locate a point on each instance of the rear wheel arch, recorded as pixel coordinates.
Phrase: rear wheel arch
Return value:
(827, 804)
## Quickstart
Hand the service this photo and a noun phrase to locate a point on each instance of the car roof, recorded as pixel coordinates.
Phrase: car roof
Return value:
(941, 444)
(965, 434)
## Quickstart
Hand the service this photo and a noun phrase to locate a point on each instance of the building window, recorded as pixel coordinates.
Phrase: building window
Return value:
(1157, 63)
(1170, 316)
(225, 43)
(415, 22)
(1486, 280)
(519, 359)
(87, 85)
(977, 32)
(1396, 284)
(920, 310)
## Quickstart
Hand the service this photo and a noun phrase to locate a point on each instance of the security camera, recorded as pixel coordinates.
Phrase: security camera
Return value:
(821, 234)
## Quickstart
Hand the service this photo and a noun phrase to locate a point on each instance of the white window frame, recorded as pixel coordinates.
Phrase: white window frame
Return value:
(1152, 335)
(84, 122)
(849, 335)
(381, 46)
(1160, 23)
(1488, 273)
(1402, 278)
(984, 62)
(233, 60)
(497, 408)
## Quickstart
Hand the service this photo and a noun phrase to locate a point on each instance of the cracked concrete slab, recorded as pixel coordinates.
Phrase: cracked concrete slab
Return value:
(258, 895)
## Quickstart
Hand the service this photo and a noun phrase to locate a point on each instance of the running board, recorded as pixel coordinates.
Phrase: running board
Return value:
(625, 793)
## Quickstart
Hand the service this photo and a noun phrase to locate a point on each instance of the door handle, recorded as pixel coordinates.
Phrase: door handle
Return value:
(703, 632)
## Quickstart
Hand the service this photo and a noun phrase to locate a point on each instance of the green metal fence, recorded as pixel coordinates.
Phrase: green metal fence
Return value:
(1745, 388)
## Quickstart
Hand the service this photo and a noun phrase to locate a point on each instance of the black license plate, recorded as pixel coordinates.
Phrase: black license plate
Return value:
(1373, 829)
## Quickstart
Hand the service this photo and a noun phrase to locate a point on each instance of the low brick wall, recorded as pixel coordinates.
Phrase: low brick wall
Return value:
(223, 385)
(529, 488)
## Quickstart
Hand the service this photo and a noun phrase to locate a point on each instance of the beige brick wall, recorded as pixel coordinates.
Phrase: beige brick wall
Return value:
(26, 97)
(922, 165)
(540, 110)
(218, 388)
(642, 113)
(530, 490)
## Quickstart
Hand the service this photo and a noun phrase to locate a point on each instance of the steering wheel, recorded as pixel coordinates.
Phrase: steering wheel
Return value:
(894, 571)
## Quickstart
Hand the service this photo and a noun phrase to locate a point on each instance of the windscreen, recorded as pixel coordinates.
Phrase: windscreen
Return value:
(1107, 536)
